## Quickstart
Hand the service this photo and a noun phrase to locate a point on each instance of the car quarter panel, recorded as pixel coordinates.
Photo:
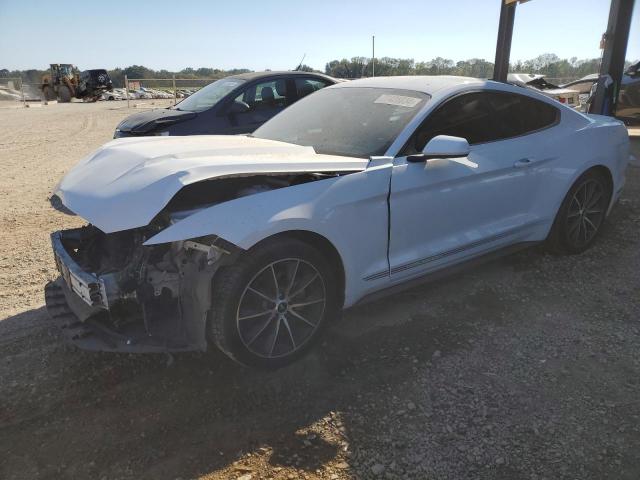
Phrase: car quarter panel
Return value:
(583, 142)
(350, 211)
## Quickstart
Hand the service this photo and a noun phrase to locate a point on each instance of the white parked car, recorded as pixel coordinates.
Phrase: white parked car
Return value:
(566, 95)
(113, 95)
(144, 94)
(254, 243)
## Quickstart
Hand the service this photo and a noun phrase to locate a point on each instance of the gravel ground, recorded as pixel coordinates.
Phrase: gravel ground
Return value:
(527, 367)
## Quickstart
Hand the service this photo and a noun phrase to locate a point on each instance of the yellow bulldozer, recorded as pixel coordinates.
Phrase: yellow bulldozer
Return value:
(64, 82)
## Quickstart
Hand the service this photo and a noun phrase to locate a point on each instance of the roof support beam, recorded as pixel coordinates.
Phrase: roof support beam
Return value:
(615, 41)
(505, 33)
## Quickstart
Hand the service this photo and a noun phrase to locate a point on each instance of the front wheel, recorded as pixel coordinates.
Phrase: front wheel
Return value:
(47, 93)
(581, 215)
(270, 306)
(64, 94)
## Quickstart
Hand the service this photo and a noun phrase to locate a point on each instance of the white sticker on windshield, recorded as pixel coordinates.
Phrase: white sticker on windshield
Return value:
(398, 100)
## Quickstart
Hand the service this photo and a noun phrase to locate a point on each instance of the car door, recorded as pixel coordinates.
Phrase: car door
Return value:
(263, 99)
(447, 210)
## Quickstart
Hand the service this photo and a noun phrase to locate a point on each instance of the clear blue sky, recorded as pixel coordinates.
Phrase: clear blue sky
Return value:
(276, 33)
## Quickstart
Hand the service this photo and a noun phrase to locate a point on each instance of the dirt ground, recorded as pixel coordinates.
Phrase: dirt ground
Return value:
(524, 368)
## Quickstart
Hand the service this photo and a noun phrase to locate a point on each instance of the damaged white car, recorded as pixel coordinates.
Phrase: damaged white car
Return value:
(253, 243)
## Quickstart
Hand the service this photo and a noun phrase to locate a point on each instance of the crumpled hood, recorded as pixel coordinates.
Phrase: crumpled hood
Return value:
(145, 122)
(128, 181)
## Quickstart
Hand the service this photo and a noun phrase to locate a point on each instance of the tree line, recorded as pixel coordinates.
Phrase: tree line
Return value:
(547, 64)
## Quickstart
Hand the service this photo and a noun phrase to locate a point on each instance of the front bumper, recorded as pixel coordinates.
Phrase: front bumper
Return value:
(95, 333)
(121, 134)
(88, 309)
(86, 285)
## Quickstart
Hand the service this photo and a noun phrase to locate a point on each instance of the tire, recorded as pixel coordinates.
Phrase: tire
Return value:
(253, 326)
(575, 227)
(64, 94)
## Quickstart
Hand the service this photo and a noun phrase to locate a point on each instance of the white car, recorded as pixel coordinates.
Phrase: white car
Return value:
(113, 95)
(568, 96)
(253, 243)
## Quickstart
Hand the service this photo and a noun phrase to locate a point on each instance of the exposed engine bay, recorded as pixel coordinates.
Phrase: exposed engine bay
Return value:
(211, 192)
(128, 296)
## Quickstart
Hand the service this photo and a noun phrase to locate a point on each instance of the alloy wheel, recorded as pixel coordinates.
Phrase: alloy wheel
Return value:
(281, 307)
(586, 213)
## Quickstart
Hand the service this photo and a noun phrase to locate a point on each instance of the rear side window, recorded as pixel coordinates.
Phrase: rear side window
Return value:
(516, 115)
(305, 86)
(482, 117)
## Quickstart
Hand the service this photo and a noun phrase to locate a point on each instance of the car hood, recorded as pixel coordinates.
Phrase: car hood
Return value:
(128, 181)
(145, 122)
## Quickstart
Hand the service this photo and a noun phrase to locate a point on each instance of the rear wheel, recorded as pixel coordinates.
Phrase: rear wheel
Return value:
(271, 305)
(581, 215)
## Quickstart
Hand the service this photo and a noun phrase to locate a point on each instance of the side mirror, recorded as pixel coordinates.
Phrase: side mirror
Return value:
(442, 146)
(238, 107)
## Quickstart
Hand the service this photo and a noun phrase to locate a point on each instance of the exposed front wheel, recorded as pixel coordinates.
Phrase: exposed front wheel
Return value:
(64, 94)
(581, 214)
(271, 305)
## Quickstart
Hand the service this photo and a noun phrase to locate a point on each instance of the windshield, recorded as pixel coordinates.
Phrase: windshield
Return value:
(349, 121)
(208, 96)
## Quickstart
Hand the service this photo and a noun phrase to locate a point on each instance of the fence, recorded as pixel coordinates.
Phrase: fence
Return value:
(13, 89)
(179, 87)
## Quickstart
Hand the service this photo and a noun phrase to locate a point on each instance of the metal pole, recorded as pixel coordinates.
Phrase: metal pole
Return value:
(24, 102)
(615, 42)
(175, 93)
(373, 56)
(126, 89)
(503, 45)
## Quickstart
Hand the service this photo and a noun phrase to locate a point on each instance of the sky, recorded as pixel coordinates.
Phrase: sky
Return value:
(275, 34)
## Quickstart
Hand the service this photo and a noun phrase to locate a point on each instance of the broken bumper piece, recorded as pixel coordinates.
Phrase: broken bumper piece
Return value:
(110, 311)
(85, 285)
(95, 333)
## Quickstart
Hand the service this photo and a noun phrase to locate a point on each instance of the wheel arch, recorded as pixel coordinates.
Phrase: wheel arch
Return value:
(323, 244)
(606, 173)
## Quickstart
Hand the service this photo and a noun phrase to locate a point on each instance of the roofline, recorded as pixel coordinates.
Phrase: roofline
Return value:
(276, 73)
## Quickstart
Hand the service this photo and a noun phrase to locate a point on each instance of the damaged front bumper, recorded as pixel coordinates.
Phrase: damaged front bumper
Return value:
(86, 285)
(98, 334)
(153, 302)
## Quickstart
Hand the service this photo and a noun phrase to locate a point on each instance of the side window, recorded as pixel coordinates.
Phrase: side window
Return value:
(466, 116)
(305, 86)
(482, 117)
(515, 115)
(265, 95)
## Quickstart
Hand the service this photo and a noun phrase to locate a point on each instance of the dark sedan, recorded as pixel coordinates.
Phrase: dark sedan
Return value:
(235, 104)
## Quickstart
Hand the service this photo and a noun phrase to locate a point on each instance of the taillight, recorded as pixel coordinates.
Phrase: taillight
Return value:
(562, 100)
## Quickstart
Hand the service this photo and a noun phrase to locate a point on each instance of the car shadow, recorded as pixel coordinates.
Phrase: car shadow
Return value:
(65, 413)
(157, 416)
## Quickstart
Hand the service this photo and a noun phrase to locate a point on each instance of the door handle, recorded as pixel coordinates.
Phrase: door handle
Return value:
(523, 162)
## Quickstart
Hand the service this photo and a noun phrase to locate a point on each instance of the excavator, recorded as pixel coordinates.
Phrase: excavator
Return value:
(64, 82)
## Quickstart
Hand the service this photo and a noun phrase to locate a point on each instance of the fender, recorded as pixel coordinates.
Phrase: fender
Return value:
(350, 211)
